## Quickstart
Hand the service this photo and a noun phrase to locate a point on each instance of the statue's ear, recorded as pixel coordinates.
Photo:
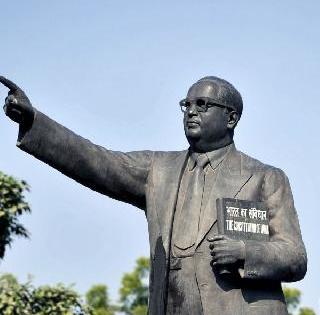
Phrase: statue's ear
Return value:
(233, 118)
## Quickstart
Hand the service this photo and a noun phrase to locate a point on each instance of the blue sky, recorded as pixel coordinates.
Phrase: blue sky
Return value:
(114, 72)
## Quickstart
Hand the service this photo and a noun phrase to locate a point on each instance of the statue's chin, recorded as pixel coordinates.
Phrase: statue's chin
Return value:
(192, 134)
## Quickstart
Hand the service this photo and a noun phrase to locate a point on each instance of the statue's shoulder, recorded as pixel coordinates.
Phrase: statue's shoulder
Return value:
(170, 158)
(253, 165)
(169, 154)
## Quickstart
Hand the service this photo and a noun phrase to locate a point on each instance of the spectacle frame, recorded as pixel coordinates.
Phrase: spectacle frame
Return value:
(202, 104)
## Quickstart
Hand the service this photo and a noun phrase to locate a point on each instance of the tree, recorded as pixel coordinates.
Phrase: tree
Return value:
(140, 310)
(293, 297)
(15, 298)
(306, 311)
(25, 299)
(97, 298)
(12, 206)
(58, 300)
(134, 291)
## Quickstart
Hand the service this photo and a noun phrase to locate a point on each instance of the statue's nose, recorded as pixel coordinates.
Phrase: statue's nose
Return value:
(192, 110)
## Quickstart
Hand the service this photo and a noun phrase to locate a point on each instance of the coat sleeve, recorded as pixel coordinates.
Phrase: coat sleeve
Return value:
(122, 176)
(284, 257)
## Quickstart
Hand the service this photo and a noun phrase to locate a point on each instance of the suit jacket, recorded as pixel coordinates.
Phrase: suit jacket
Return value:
(150, 181)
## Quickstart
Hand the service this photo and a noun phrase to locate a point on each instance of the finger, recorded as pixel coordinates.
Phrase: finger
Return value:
(15, 111)
(217, 256)
(9, 107)
(11, 100)
(218, 253)
(219, 249)
(9, 84)
(217, 244)
(14, 114)
(226, 261)
(222, 260)
(12, 106)
(216, 238)
(217, 262)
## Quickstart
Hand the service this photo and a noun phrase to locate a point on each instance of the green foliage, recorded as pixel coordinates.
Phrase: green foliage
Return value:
(12, 205)
(8, 279)
(293, 297)
(134, 292)
(102, 311)
(59, 300)
(15, 298)
(140, 310)
(97, 298)
(306, 311)
(25, 299)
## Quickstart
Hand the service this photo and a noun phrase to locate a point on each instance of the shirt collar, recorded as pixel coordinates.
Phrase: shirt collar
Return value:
(215, 157)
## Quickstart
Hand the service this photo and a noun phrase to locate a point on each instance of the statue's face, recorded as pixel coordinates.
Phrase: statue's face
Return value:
(207, 127)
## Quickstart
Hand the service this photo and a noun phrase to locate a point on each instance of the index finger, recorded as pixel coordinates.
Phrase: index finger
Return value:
(9, 84)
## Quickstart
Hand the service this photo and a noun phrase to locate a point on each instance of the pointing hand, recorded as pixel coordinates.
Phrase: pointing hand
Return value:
(17, 105)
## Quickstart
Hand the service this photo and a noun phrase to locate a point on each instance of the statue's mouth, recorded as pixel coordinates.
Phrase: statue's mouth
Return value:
(192, 123)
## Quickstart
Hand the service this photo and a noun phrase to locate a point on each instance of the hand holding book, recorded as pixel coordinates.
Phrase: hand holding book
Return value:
(238, 220)
(225, 250)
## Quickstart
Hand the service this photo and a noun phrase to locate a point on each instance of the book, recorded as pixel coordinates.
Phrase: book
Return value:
(243, 219)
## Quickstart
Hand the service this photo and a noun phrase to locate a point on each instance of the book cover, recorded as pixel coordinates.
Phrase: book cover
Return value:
(243, 219)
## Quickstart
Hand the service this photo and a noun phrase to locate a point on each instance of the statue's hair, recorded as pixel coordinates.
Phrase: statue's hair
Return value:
(225, 93)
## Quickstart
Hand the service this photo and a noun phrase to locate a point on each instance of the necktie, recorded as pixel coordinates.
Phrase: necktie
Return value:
(187, 227)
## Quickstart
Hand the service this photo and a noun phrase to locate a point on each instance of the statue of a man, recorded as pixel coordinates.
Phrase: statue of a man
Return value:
(178, 192)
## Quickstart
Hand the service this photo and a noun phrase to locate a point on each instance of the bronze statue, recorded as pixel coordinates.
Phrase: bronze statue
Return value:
(178, 192)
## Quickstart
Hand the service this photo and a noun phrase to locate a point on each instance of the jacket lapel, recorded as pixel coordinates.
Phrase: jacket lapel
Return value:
(228, 182)
(170, 174)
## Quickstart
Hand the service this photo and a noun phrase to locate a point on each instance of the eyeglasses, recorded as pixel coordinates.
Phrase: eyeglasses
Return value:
(202, 104)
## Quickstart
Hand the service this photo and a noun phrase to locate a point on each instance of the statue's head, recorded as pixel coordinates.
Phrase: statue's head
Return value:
(212, 110)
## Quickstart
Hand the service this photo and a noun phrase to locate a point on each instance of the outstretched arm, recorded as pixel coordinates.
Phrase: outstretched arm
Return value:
(122, 176)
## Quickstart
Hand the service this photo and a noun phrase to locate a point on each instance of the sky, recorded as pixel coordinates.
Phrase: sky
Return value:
(114, 72)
